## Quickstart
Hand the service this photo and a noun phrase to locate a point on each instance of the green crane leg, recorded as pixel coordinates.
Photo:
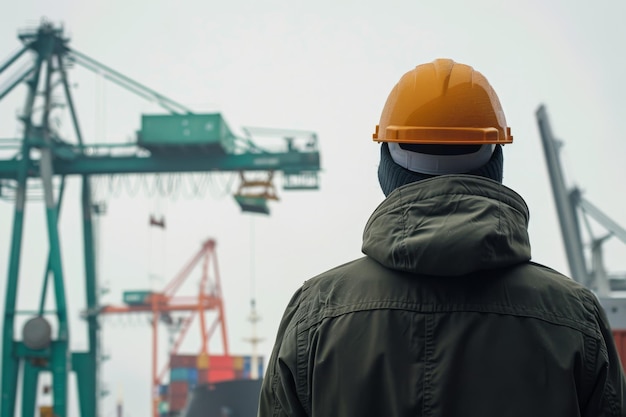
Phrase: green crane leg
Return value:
(60, 352)
(87, 366)
(44, 287)
(83, 365)
(29, 388)
(9, 380)
(60, 371)
(10, 360)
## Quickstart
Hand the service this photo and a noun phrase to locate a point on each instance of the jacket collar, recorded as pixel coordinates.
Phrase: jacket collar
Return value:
(449, 225)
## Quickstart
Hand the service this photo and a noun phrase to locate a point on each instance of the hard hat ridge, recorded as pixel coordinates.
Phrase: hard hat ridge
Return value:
(443, 102)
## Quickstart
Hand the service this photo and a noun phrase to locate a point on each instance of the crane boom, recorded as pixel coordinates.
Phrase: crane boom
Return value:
(586, 268)
(568, 220)
(608, 223)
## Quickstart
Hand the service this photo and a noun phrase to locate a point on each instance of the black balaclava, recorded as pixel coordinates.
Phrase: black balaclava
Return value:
(392, 175)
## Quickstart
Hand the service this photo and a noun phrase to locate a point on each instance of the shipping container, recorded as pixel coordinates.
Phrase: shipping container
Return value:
(136, 297)
(180, 374)
(192, 375)
(184, 133)
(220, 362)
(203, 376)
(252, 204)
(238, 363)
(620, 343)
(220, 375)
(202, 361)
(178, 402)
(178, 388)
(216, 375)
(247, 367)
(183, 361)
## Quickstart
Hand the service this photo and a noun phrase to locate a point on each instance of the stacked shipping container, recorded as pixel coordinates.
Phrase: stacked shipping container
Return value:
(187, 371)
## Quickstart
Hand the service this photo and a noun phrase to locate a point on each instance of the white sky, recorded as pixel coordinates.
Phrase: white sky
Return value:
(325, 66)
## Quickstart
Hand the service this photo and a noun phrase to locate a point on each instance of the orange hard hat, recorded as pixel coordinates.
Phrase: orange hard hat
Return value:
(443, 102)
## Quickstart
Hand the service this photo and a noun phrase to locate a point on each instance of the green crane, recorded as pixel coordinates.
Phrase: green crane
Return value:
(178, 142)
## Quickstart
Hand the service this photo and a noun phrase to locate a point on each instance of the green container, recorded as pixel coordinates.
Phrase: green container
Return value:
(176, 133)
(252, 204)
(134, 298)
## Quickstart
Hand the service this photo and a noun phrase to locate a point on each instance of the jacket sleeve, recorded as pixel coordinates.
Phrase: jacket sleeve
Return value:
(278, 396)
(608, 395)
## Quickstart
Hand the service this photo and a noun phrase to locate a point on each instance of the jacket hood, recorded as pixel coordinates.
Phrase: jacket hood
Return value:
(449, 225)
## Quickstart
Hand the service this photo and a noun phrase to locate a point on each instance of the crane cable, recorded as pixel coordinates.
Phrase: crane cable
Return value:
(157, 220)
(252, 263)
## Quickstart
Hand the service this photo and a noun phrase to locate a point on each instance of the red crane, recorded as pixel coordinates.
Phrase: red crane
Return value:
(162, 304)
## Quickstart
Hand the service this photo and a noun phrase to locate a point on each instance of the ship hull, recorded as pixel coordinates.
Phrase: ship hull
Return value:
(237, 398)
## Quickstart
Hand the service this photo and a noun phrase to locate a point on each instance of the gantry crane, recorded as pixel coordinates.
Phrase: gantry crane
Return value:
(586, 262)
(179, 142)
(162, 304)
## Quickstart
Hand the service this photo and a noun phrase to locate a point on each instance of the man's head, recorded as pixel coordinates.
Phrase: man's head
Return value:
(440, 118)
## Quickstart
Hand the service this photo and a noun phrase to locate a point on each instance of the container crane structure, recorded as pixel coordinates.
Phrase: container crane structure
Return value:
(586, 262)
(161, 306)
(179, 142)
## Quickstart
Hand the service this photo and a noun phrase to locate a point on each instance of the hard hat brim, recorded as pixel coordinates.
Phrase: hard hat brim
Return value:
(447, 135)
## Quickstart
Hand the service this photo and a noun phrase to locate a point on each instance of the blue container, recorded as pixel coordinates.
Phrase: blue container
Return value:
(247, 367)
(192, 375)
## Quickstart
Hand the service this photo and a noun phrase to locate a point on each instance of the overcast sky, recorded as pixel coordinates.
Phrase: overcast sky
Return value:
(325, 66)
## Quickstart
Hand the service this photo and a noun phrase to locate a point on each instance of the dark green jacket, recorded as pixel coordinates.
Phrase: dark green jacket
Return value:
(445, 316)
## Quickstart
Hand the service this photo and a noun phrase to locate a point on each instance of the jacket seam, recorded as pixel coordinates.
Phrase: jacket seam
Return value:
(511, 197)
(600, 353)
(609, 390)
(332, 312)
(592, 357)
(302, 371)
(613, 401)
(428, 364)
(383, 210)
(276, 408)
(404, 221)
